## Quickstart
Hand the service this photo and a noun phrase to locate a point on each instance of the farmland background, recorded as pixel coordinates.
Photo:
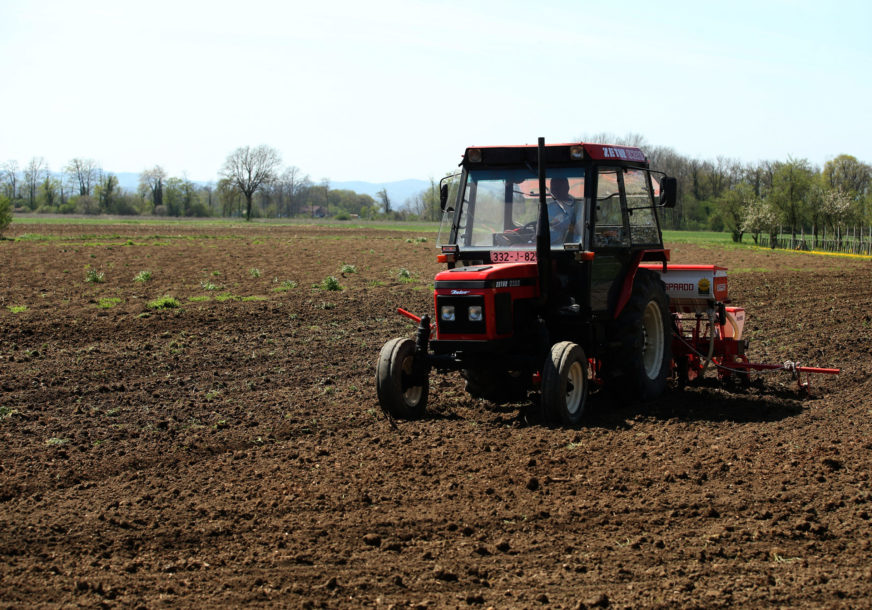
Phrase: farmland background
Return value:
(188, 417)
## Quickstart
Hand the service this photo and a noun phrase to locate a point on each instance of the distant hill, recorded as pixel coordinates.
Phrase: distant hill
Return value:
(399, 191)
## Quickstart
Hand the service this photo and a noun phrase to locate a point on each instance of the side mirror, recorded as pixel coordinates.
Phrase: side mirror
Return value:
(668, 192)
(443, 196)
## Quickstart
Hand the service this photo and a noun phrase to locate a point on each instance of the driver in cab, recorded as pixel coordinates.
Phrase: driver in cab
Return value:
(561, 208)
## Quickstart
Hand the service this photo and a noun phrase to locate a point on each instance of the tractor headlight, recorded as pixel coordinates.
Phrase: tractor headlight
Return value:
(474, 313)
(446, 313)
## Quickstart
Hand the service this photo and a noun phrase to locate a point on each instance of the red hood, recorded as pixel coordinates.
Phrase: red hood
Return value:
(501, 271)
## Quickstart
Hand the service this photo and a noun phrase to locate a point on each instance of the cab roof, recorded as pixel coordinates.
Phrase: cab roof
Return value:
(557, 154)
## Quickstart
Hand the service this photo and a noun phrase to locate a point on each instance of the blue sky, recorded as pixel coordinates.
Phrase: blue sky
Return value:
(387, 90)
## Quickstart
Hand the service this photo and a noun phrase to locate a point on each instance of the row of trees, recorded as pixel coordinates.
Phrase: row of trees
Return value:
(722, 194)
(252, 184)
(764, 197)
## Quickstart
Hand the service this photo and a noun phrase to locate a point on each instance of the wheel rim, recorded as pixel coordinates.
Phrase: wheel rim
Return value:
(653, 345)
(411, 394)
(575, 388)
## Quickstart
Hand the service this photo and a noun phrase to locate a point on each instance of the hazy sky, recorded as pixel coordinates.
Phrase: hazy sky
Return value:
(385, 90)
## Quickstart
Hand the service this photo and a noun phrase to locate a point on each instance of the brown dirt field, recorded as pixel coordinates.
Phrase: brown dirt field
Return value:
(233, 452)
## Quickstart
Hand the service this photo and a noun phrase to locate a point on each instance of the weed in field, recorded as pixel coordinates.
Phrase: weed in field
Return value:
(208, 285)
(254, 298)
(284, 286)
(7, 412)
(348, 269)
(92, 276)
(326, 306)
(376, 283)
(142, 276)
(226, 296)
(330, 283)
(164, 302)
(404, 275)
(216, 273)
(55, 441)
(199, 299)
(108, 302)
(17, 308)
(253, 272)
(113, 412)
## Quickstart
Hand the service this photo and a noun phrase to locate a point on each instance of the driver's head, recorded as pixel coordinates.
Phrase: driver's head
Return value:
(560, 187)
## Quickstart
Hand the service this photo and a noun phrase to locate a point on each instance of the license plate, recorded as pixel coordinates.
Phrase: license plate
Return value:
(514, 256)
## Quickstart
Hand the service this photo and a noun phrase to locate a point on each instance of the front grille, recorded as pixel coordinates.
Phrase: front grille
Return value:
(503, 313)
(461, 323)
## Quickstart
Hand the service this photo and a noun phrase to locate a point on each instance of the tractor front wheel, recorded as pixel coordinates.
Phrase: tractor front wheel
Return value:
(565, 384)
(398, 392)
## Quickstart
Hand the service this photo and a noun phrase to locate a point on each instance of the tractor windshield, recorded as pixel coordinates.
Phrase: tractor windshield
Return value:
(500, 208)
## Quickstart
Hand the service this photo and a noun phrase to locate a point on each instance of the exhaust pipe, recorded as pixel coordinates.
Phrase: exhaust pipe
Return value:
(543, 233)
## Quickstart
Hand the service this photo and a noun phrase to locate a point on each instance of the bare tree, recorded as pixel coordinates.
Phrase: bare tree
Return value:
(385, 200)
(9, 174)
(248, 169)
(34, 174)
(83, 173)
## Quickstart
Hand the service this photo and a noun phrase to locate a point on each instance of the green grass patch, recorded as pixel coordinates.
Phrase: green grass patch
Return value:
(92, 276)
(387, 225)
(226, 296)
(17, 308)
(703, 238)
(200, 299)
(108, 302)
(330, 283)
(285, 286)
(164, 302)
(254, 298)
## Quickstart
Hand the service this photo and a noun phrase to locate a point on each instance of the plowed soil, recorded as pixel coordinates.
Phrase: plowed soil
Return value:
(231, 451)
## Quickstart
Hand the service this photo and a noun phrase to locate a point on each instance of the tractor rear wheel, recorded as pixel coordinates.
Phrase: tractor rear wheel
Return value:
(565, 384)
(639, 362)
(398, 392)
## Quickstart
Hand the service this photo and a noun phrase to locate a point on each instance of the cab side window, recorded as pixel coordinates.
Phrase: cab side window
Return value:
(640, 208)
(609, 228)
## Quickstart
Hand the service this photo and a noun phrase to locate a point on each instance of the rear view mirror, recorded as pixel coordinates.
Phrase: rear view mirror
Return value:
(668, 192)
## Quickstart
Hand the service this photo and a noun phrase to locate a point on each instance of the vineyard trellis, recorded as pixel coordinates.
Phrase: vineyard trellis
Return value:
(855, 240)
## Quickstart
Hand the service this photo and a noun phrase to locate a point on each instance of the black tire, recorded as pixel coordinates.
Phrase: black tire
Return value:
(396, 393)
(565, 384)
(639, 360)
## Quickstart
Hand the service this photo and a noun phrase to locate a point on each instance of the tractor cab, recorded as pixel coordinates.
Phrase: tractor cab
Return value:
(601, 203)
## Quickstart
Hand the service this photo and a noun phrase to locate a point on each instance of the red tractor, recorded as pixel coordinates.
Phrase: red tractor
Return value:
(555, 259)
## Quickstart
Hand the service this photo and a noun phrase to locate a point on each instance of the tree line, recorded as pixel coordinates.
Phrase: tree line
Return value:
(760, 199)
(766, 198)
